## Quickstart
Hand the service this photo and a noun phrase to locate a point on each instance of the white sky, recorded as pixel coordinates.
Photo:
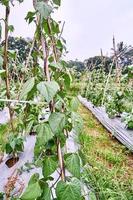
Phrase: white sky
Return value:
(90, 24)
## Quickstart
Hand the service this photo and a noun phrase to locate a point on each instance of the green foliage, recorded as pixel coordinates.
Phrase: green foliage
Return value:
(69, 190)
(74, 104)
(44, 9)
(108, 161)
(46, 194)
(115, 104)
(102, 90)
(49, 166)
(57, 122)
(95, 87)
(98, 62)
(44, 134)
(77, 122)
(38, 73)
(33, 191)
(48, 89)
(76, 65)
(27, 87)
(57, 2)
(73, 164)
(14, 145)
(128, 119)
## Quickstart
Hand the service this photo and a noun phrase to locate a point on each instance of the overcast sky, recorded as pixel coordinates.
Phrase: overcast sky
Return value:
(90, 24)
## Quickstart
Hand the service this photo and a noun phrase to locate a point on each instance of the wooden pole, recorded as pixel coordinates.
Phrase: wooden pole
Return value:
(5, 64)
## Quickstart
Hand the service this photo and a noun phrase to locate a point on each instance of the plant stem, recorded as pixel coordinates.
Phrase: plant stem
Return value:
(5, 64)
(51, 105)
(106, 85)
(116, 62)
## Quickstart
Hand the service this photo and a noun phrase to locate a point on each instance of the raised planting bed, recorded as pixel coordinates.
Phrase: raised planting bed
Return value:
(16, 176)
(114, 126)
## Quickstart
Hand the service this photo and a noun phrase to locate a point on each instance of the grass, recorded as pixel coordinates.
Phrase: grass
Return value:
(109, 164)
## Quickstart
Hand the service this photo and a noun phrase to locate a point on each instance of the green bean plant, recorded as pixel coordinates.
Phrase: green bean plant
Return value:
(48, 84)
(102, 90)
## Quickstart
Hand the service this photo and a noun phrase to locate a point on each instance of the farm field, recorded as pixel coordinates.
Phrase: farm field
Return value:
(66, 124)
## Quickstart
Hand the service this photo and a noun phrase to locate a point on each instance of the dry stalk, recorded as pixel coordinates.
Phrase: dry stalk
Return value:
(9, 187)
(116, 62)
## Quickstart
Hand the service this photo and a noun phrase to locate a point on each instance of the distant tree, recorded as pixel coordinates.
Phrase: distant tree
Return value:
(77, 65)
(20, 45)
(122, 56)
(98, 62)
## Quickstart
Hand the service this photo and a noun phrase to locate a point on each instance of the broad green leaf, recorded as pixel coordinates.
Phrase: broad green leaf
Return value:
(57, 2)
(46, 194)
(68, 190)
(67, 80)
(73, 165)
(27, 87)
(44, 134)
(55, 27)
(2, 73)
(74, 104)
(49, 166)
(77, 122)
(29, 126)
(5, 2)
(57, 122)
(33, 191)
(44, 9)
(11, 28)
(34, 179)
(45, 26)
(92, 196)
(59, 45)
(55, 65)
(48, 89)
(30, 17)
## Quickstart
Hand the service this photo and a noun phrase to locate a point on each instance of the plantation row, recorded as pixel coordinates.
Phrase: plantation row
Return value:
(34, 86)
(102, 89)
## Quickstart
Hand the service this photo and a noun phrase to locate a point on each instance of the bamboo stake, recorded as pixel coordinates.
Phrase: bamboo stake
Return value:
(106, 86)
(5, 64)
(47, 73)
(116, 61)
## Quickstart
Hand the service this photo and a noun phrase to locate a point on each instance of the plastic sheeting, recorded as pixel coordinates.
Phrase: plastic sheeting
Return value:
(27, 157)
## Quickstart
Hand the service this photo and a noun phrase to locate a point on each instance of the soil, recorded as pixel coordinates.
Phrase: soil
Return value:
(32, 133)
(12, 161)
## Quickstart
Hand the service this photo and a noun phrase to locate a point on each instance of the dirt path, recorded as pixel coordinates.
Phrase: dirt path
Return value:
(111, 163)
